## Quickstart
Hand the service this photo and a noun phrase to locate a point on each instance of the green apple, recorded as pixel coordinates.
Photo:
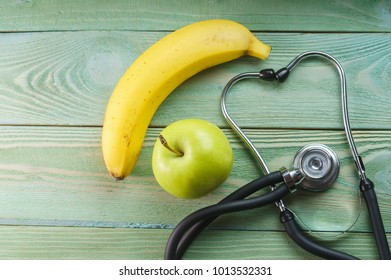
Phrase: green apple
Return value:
(191, 158)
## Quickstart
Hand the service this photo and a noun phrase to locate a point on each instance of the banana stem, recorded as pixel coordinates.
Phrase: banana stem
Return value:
(164, 142)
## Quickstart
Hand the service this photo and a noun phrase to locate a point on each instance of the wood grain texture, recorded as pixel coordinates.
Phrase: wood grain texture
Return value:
(303, 15)
(148, 244)
(59, 63)
(55, 176)
(66, 78)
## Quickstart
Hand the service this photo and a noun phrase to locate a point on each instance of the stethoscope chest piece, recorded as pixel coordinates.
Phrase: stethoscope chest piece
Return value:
(319, 166)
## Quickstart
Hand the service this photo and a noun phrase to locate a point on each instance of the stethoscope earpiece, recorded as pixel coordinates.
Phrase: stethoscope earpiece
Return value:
(319, 165)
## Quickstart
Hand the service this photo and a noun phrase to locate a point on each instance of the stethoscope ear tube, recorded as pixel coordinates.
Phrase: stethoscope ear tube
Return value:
(287, 219)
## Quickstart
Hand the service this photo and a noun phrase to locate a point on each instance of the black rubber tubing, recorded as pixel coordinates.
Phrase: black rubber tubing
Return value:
(191, 226)
(307, 244)
(209, 213)
(241, 193)
(368, 191)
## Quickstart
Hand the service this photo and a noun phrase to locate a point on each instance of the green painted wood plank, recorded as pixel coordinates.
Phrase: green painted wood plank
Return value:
(66, 243)
(55, 176)
(303, 15)
(58, 201)
(67, 78)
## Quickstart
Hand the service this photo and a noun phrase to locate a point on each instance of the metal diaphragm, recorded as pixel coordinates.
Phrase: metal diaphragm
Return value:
(319, 166)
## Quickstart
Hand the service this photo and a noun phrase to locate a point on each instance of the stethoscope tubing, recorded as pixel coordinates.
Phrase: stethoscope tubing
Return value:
(307, 244)
(185, 232)
(241, 193)
(369, 194)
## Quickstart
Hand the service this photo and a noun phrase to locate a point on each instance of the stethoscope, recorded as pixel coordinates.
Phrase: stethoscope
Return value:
(316, 167)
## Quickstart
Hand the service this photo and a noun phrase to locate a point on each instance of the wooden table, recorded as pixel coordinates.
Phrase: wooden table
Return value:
(59, 63)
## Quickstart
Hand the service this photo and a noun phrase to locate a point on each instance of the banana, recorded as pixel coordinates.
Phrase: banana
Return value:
(156, 73)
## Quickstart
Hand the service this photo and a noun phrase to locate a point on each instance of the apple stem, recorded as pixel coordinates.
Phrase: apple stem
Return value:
(165, 144)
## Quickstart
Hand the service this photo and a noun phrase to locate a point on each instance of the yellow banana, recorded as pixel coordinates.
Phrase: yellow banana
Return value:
(156, 73)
